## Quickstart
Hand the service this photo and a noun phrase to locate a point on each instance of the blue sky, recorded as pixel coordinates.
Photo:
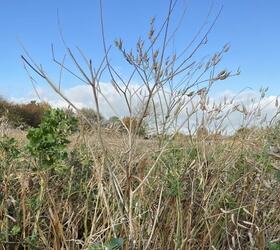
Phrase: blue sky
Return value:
(250, 26)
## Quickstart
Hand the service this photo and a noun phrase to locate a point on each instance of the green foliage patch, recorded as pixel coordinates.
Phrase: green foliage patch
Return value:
(48, 142)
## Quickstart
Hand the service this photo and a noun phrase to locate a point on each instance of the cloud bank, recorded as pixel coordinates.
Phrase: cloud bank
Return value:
(246, 108)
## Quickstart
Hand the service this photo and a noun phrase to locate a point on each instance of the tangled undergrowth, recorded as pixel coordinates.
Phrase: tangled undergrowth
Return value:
(194, 194)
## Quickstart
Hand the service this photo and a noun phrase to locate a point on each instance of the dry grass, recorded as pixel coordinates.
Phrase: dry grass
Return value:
(118, 191)
(220, 194)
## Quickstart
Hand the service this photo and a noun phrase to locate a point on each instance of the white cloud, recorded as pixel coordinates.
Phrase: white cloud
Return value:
(112, 103)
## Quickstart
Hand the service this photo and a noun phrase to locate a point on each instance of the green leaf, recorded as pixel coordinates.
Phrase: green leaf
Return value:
(273, 246)
(277, 175)
(48, 142)
(113, 244)
(15, 230)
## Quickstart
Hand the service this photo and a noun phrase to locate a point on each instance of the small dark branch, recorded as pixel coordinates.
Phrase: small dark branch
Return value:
(32, 67)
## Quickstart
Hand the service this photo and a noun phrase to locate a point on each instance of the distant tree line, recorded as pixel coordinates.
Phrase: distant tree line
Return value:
(23, 115)
(30, 115)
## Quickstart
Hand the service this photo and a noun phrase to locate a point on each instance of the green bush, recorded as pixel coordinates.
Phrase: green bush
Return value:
(48, 142)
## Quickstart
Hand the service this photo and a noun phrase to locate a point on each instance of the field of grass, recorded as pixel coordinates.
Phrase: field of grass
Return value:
(187, 194)
(170, 170)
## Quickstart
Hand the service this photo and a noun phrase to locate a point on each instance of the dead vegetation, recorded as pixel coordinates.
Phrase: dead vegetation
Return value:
(189, 186)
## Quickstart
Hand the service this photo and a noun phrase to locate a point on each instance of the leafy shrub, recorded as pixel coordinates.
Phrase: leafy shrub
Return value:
(9, 147)
(274, 246)
(113, 244)
(173, 161)
(48, 142)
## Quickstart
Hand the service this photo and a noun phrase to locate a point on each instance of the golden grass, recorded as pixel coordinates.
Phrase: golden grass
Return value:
(221, 194)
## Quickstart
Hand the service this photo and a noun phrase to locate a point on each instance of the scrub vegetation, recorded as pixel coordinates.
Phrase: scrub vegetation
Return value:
(168, 175)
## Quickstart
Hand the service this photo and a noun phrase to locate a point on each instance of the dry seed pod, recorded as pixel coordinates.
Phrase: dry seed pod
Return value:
(222, 75)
